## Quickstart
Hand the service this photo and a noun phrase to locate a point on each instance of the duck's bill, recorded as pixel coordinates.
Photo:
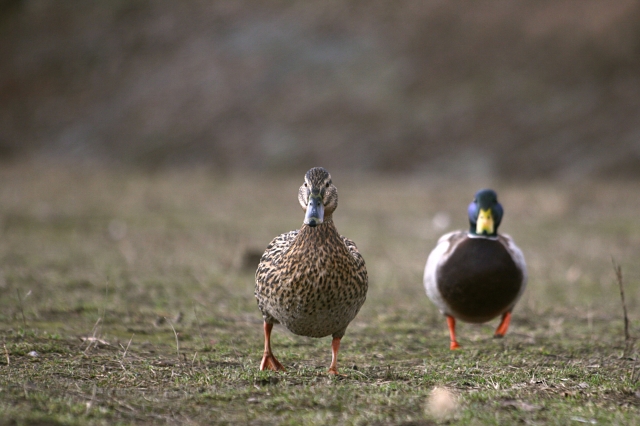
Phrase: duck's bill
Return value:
(315, 211)
(485, 224)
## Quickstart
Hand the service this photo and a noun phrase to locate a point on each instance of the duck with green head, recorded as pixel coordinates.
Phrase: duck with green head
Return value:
(476, 275)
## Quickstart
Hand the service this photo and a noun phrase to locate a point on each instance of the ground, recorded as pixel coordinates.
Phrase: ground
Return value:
(127, 298)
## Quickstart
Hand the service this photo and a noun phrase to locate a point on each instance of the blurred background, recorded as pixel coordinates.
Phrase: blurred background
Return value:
(495, 89)
(150, 150)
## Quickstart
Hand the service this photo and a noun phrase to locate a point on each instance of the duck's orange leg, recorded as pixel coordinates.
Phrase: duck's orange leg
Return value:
(335, 346)
(269, 361)
(504, 325)
(451, 323)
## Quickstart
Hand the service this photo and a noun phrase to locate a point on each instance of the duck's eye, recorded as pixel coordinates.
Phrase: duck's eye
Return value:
(327, 185)
(305, 184)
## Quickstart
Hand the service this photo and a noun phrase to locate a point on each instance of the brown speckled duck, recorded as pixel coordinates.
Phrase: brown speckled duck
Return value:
(476, 275)
(313, 280)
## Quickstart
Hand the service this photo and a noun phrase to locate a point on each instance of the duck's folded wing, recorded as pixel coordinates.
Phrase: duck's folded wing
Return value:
(517, 256)
(446, 244)
(353, 249)
(273, 254)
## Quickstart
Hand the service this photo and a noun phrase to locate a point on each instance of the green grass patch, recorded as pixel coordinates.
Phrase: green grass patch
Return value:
(128, 299)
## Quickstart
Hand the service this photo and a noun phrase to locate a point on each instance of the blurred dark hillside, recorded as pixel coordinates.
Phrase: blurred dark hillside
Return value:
(511, 88)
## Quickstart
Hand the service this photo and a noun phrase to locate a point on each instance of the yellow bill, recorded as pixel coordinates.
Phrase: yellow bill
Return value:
(484, 225)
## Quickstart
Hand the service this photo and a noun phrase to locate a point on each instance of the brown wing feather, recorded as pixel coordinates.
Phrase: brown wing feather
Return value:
(360, 269)
(268, 273)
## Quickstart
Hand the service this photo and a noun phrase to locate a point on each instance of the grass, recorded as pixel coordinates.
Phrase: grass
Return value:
(127, 298)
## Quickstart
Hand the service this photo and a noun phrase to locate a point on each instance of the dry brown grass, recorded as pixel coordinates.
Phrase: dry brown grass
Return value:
(102, 258)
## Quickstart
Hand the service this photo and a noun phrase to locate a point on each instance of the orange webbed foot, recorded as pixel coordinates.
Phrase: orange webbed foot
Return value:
(269, 362)
(334, 373)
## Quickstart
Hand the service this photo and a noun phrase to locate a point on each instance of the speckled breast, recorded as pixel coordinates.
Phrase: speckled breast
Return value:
(318, 302)
(480, 280)
(312, 281)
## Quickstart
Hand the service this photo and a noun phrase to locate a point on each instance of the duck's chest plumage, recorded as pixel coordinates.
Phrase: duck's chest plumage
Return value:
(312, 281)
(477, 279)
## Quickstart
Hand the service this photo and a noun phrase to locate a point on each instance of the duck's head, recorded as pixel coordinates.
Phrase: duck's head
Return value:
(485, 213)
(317, 196)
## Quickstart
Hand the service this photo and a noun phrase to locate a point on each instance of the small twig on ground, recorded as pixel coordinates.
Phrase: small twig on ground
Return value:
(175, 334)
(494, 384)
(127, 348)
(93, 335)
(627, 336)
(194, 359)
(198, 323)
(106, 296)
(94, 330)
(24, 320)
(94, 339)
(89, 403)
(6, 352)
(361, 373)
(618, 270)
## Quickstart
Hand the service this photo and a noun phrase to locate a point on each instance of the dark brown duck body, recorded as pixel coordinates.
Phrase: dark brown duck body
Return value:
(312, 281)
(479, 280)
(476, 275)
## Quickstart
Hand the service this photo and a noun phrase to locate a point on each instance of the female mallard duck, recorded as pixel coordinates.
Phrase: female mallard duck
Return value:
(477, 275)
(313, 280)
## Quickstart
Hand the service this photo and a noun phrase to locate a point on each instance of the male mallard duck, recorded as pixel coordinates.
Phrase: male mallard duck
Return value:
(477, 275)
(313, 280)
